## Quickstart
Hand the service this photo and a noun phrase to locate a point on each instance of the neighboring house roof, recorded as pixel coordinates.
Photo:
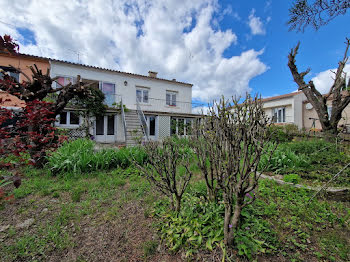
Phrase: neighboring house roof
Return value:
(10, 101)
(33, 57)
(281, 96)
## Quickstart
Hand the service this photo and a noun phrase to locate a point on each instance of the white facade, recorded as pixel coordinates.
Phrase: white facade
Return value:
(127, 84)
(285, 109)
(160, 100)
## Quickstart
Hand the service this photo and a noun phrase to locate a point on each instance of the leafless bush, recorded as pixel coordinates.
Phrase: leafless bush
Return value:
(235, 136)
(168, 168)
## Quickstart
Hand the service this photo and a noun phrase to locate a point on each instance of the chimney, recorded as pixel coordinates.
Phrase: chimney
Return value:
(152, 74)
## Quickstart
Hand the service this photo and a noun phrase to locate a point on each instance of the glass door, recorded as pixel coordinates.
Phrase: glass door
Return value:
(152, 127)
(105, 127)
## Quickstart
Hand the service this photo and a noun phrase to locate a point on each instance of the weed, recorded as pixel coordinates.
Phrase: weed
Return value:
(149, 248)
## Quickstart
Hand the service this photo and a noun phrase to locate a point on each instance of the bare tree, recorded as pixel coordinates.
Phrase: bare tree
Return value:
(168, 168)
(317, 13)
(340, 97)
(241, 137)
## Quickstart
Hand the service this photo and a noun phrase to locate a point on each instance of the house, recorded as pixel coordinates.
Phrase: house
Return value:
(310, 116)
(23, 62)
(294, 108)
(285, 109)
(155, 107)
(139, 106)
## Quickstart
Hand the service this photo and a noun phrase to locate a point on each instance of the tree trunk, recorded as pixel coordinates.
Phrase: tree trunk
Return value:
(231, 220)
(177, 203)
(228, 214)
(234, 221)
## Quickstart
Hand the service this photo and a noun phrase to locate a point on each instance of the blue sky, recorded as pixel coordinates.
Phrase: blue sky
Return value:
(222, 47)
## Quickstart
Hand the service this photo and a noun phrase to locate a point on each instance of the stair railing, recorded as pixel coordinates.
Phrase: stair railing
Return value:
(123, 117)
(142, 120)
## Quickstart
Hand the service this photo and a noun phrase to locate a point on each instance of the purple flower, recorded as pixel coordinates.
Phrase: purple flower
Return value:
(248, 195)
(230, 226)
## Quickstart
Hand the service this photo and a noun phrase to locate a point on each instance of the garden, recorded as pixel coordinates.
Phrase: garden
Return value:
(186, 199)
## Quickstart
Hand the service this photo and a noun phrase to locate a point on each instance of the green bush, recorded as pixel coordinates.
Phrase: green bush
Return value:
(284, 133)
(79, 156)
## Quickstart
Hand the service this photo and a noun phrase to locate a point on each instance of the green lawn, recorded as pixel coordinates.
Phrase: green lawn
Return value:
(116, 216)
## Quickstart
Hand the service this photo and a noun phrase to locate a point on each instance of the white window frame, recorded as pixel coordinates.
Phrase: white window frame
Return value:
(72, 80)
(186, 121)
(100, 86)
(142, 90)
(171, 100)
(67, 124)
(275, 112)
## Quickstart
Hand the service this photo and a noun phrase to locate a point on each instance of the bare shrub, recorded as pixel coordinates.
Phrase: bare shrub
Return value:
(236, 136)
(168, 168)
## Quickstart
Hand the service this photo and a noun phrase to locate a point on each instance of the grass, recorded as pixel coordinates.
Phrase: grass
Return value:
(70, 199)
(278, 223)
(85, 207)
(314, 161)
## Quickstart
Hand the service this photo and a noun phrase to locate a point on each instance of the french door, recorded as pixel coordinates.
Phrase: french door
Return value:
(105, 129)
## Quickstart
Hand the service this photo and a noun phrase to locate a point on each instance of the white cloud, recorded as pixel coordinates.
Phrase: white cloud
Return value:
(202, 110)
(324, 80)
(175, 38)
(255, 24)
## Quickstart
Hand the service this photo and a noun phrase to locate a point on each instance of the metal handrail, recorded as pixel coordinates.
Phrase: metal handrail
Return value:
(142, 120)
(123, 117)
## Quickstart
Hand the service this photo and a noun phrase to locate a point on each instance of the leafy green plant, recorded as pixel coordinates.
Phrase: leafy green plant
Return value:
(292, 178)
(79, 156)
(283, 159)
(200, 225)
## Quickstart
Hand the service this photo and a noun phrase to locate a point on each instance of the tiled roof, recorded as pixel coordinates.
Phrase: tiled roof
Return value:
(104, 69)
(7, 100)
(280, 97)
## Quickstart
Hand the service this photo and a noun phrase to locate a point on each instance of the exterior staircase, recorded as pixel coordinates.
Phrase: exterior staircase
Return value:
(134, 133)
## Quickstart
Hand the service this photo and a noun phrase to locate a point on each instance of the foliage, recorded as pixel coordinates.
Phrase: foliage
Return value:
(292, 178)
(315, 160)
(79, 157)
(283, 159)
(34, 132)
(91, 105)
(7, 44)
(316, 13)
(200, 225)
(284, 133)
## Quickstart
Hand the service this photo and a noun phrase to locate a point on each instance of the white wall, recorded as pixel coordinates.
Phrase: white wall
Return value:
(157, 88)
(293, 105)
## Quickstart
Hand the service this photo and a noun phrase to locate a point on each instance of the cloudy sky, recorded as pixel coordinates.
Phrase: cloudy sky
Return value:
(222, 47)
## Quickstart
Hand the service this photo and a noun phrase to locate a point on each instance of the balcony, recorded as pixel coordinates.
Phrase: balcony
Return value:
(156, 105)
